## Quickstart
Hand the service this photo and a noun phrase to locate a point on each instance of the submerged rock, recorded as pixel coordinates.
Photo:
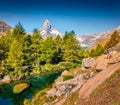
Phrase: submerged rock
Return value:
(20, 87)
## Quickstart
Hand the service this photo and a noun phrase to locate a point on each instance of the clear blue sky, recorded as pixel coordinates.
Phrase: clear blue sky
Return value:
(82, 16)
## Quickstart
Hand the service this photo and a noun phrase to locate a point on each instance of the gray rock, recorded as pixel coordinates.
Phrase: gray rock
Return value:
(6, 79)
(58, 93)
(51, 92)
(88, 63)
(62, 88)
(115, 58)
(66, 73)
(102, 62)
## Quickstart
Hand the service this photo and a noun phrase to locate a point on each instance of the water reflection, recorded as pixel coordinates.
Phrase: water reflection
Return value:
(36, 84)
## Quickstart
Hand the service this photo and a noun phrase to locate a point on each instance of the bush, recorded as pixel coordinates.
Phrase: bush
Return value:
(48, 67)
(65, 65)
(97, 51)
(67, 77)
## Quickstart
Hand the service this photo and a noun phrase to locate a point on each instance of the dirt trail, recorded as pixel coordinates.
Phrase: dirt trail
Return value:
(92, 83)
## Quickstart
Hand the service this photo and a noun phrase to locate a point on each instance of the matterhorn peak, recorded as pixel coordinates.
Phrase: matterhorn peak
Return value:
(47, 30)
(46, 22)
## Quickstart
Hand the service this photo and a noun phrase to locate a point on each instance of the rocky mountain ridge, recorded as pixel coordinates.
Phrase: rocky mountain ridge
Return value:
(90, 41)
(4, 27)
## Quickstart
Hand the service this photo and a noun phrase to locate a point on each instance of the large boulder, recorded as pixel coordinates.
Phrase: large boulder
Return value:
(115, 58)
(88, 63)
(111, 54)
(102, 62)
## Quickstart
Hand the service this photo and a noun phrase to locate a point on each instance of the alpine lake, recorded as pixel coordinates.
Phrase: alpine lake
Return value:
(37, 83)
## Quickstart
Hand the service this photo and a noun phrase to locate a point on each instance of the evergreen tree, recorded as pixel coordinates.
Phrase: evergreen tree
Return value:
(99, 50)
(4, 46)
(35, 48)
(70, 47)
(26, 43)
(58, 45)
(18, 30)
(15, 55)
(48, 50)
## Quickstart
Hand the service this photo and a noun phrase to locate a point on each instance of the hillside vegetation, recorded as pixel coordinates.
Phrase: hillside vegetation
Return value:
(22, 54)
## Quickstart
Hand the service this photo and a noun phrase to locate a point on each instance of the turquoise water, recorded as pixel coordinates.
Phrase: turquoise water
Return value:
(37, 83)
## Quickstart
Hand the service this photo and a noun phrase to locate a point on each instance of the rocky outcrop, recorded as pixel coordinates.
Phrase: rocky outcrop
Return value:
(4, 27)
(101, 63)
(115, 58)
(64, 73)
(92, 83)
(66, 87)
(88, 63)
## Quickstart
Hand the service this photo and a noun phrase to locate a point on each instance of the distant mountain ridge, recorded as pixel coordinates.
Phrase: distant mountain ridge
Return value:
(4, 27)
(47, 30)
(90, 41)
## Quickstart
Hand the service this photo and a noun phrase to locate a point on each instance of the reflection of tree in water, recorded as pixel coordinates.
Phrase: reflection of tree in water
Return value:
(36, 84)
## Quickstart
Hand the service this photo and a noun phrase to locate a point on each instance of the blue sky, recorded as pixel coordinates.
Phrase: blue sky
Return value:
(82, 16)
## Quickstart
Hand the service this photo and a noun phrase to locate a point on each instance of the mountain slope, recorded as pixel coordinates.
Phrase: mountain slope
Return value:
(90, 41)
(47, 30)
(4, 27)
(108, 93)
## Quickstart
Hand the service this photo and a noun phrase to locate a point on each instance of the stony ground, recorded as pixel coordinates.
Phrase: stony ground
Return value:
(92, 83)
(108, 93)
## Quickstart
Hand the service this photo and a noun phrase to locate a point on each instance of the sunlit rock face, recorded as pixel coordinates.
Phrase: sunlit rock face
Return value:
(4, 27)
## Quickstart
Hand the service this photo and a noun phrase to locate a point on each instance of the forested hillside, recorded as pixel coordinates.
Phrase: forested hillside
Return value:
(22, 54)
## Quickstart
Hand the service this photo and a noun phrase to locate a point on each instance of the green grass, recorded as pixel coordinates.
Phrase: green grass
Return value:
(67, 77)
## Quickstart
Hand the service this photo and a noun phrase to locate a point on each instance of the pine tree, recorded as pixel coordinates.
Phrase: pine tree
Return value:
(15, 55)
(35, 48)
(70, 46)
(48, 50)
(18, 31)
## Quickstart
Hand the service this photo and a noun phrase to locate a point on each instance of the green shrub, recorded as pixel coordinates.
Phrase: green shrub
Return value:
(65, 65)
(67, 77)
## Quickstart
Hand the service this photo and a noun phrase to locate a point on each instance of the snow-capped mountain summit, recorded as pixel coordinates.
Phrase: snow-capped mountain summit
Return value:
(47, 30)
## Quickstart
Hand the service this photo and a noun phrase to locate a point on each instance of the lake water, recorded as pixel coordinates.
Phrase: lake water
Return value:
(37, 83)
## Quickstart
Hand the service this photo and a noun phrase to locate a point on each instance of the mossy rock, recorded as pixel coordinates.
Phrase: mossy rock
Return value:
(20, 87)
